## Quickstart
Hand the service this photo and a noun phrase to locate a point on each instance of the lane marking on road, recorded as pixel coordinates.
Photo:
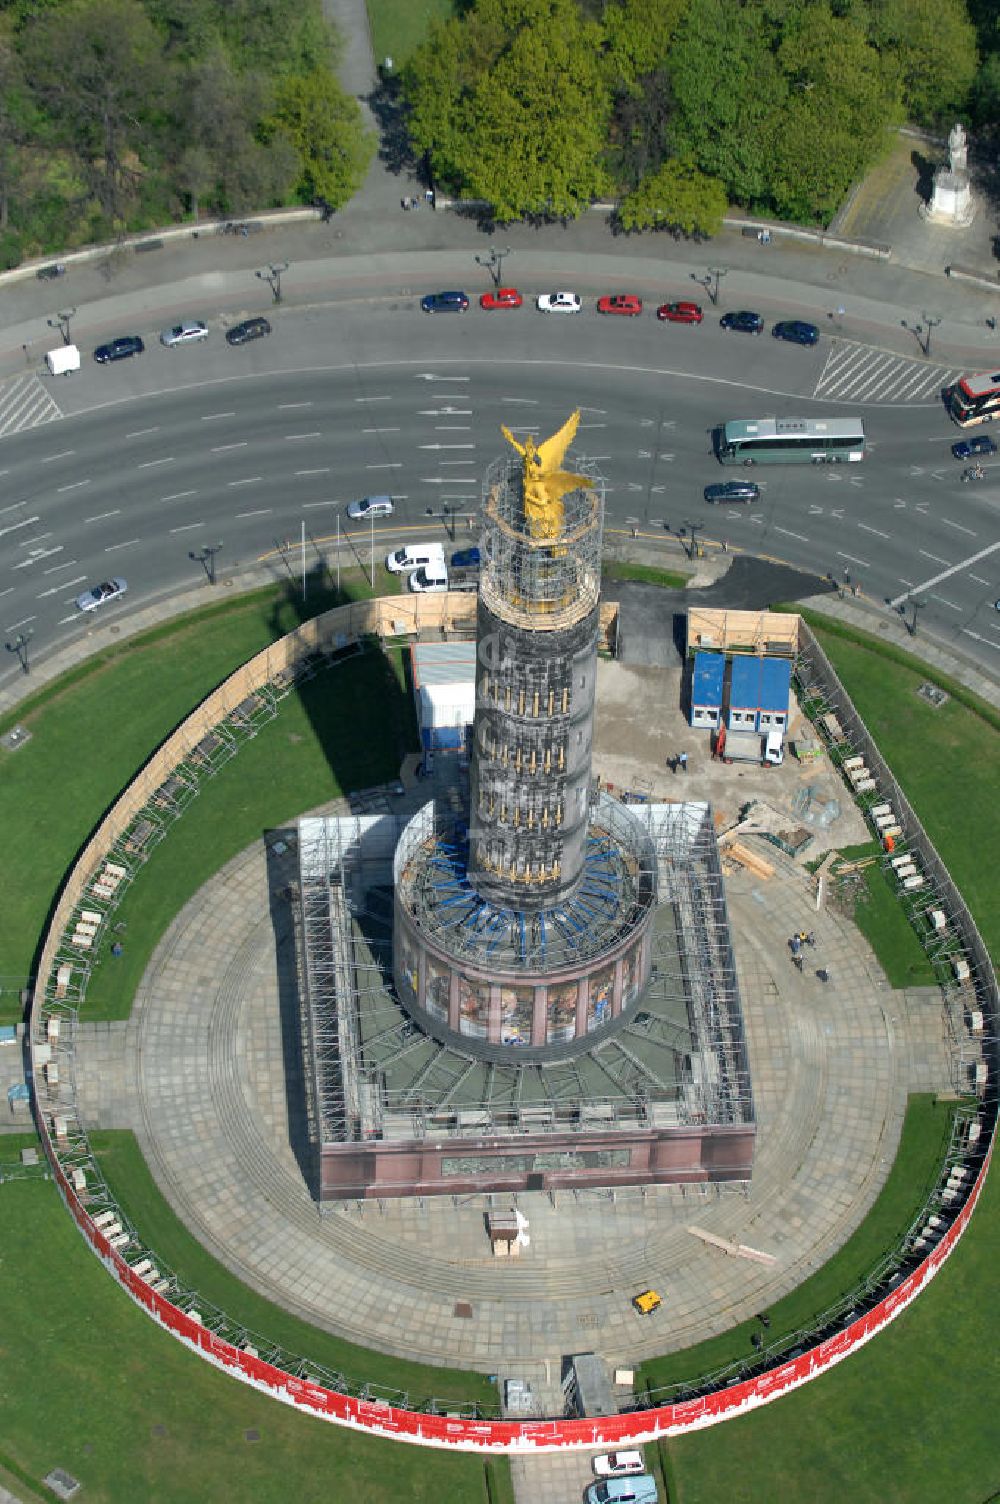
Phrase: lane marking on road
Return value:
(43, 553)
(854, 560)
(438, 428)
(947, 522)
(602, 412)
(12, 527)
(63, 454)
(324, 471)
(877, 531)
(22, 623)
(446, 446)
(103, 516)
(249, 480)
(74, 486)
(429, 376)
(262, 512)
(989, 641)
(213, 417)
(934, 558)
(950, 604)
(308, 506)
(187, 528)
(787, 532)
(521, 401)
(224, 448)
(38, 538)
(448, 412)
(58, 589)
(141, 433)
(178, 496)
(291, 438)
(979, 580)
(287, 407)
(113, 547)
(148, 464)
(373, 399)
(946, 574)
(369, 430)
(389, 465)
(55, 568)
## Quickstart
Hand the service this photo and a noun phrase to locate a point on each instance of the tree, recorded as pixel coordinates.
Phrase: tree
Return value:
(729, 91)
(638, 34)
(677, 197)
(93, 63)
(324, 126)
(933, 43)
(221, 111)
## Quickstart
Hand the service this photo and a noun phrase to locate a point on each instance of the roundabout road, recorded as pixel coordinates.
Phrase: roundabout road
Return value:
(144, 463)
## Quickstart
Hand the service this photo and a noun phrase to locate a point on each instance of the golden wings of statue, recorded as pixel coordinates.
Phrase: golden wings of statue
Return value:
(545, 484)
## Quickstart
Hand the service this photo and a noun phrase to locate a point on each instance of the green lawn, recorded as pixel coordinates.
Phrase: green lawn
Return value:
(89, 1384)
(398, 26)
(882, 920)
(646, 574)
(126, 1172)
(924, 1139)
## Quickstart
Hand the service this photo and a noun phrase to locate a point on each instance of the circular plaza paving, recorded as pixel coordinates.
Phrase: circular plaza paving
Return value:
(211, 1081)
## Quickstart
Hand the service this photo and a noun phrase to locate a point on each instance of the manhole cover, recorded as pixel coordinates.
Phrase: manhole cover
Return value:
(933, 695)
(251, 1435)
(462, 1308)
(61, 1483)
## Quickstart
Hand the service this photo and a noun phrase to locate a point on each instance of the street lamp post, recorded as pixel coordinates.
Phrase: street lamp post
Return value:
(718, 272)
(20, 647)
(930, 323)
(61, 322)
(917, 606)
(206, 558)
(693, 528)
(271, 274)
(494, 263)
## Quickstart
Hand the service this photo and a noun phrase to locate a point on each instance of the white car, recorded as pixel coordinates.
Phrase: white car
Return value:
(185, 334)
(559, 302)
(110, 590)
(618, 1464)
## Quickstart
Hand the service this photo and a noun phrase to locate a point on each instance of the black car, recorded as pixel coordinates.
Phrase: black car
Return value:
(980, 443)
(732, 490)
(744, 321)
(241, 334)
(796, 332)
(122, 348)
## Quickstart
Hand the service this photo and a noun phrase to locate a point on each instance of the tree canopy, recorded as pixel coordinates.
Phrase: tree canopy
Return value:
(537, 106)
(120, 114)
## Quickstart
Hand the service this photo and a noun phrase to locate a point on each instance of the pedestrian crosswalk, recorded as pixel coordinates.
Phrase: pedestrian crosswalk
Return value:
(861, 373)
(25, 403)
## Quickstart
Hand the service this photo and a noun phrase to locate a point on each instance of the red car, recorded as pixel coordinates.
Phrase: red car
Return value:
(621, 302)
(501, 297)
(680, 313)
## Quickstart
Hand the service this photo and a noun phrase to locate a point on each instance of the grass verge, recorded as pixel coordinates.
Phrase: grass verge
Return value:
(91, 1385)
(128, 1175)
(399, 26)
(926, 1129)
(645, 574)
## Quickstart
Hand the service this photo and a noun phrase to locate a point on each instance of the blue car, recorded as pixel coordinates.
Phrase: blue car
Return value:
(744, 322)
(796, 332)
(444, 302)
(966, 448)
(465, 558)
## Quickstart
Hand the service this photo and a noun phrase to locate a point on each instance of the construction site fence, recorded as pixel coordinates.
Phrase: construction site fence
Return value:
(182, 1317)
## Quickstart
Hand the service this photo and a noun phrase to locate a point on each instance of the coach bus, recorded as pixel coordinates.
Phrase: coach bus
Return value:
(975, 399)
(816, 441)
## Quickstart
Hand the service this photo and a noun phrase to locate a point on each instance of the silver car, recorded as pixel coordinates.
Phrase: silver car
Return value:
(110, 590)
(187, 333)
(370, 506)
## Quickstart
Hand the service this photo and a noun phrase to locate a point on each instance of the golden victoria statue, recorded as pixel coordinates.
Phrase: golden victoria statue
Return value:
(545, 484)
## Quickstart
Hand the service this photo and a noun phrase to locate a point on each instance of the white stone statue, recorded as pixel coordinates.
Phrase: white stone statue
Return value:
(951, 202)
(958, 148)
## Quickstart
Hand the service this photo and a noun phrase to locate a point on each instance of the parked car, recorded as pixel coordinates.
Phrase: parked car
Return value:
(796, 332)
(732, 490)
(100, 595)
(444, 302)
(680, 313)
(980, 443)
(501, 297)
(414, 556)
(50, 273)
(188, 333)
(640, 1488)
(617, 1464)
(369, 506)
(743, 321)
(646, 1302)
(121, 348)
(241, 334)
(559, 302)
(465, 558)
(626, 303)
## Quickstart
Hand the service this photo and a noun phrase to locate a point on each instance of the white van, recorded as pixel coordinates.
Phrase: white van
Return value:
(430, 577)
(414, 556)
(63, 360)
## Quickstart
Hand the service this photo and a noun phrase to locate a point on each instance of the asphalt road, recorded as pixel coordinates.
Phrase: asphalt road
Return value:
(155, 458)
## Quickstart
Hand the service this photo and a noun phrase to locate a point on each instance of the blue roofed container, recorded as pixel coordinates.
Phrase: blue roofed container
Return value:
(744, 693)
(775, 689)
(706, 689)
